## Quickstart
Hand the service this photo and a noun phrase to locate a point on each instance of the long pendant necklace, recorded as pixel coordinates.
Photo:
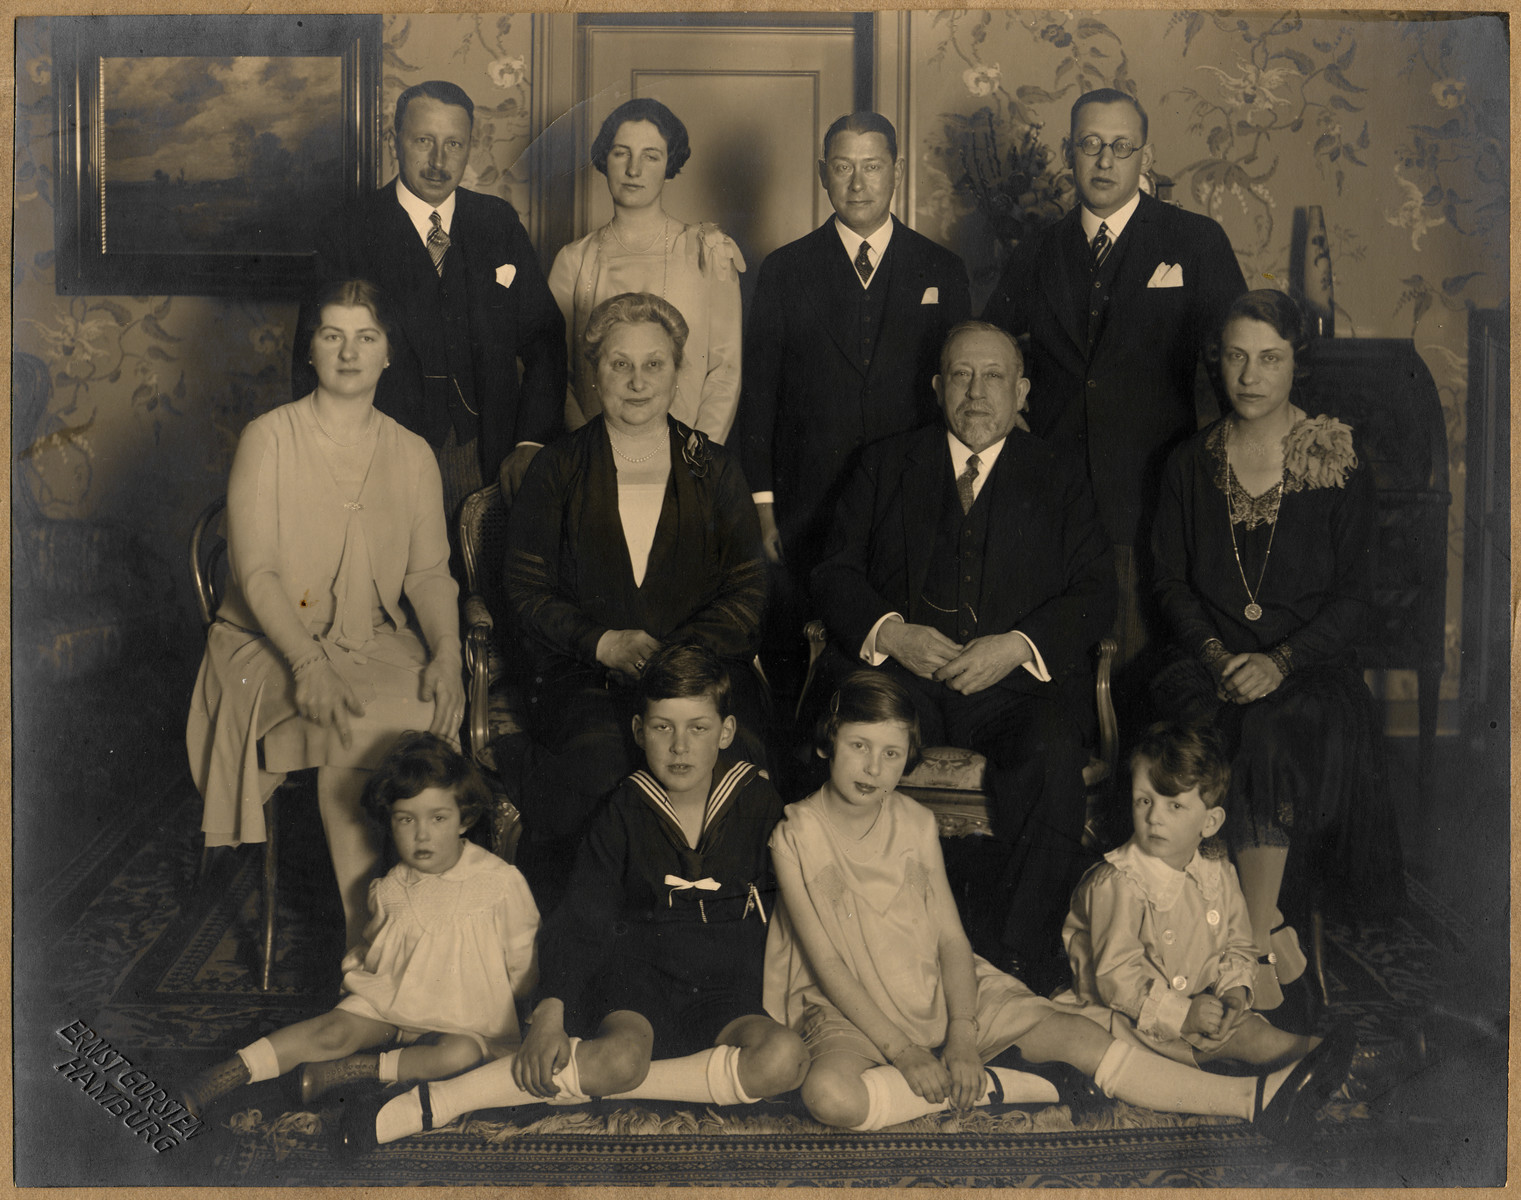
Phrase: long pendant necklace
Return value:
(1253, 610)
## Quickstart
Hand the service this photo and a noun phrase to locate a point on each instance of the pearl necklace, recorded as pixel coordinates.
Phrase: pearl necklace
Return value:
(626, 457)
(644, 249)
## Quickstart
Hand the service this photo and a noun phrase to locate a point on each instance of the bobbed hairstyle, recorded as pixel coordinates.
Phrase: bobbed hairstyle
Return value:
(435, 89)
(347, 293)
(1110, 96)
(863, 122)
(1280, 312)
(677, 147)
(683, 672)
(865, 698)
(982, 327)
(1180, 756)
(633, 308)
(418, 761)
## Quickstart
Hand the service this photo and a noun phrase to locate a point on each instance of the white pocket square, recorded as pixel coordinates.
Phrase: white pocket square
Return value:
(1166, 275)
(931, 296)
(505, 274)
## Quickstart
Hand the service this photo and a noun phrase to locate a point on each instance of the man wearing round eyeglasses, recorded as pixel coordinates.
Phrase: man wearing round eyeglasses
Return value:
(1117, 299)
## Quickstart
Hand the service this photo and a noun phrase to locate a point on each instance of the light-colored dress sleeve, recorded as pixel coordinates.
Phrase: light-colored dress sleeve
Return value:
(253, 540)
(563, 279)
(719, 263)
(1238, 961)
(517, 920)
(429, 586)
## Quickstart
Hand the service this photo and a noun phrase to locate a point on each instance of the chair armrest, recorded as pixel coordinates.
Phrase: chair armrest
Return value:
(817, 636)
(478, 685)
(1109, 725)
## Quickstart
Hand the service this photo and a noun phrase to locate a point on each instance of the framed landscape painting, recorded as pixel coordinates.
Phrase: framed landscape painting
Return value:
(194, 155)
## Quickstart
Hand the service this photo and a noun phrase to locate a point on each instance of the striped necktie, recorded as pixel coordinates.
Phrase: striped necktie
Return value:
(1101, 245)
(438, 243)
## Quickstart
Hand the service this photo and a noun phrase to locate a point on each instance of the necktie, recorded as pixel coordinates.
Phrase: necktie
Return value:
(1101, 245)
(964, 483)
(863, 263)
(438, 243)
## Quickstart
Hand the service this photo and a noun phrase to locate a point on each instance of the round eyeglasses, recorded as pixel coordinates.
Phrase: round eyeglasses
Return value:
(1093, 146)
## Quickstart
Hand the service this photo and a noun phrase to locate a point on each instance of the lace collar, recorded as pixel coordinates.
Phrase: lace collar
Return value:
(1160, 883)
(1317, 453)
(472, 861)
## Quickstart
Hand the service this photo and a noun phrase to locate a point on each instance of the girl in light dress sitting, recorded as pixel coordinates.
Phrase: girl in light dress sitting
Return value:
(867, 959)
(434, 986)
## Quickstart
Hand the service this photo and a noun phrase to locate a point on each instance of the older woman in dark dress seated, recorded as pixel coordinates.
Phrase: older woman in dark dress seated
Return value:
(632, 532)
(1264, 541)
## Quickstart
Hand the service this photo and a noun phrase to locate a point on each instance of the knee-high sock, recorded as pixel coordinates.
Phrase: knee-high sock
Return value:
(1138, 1076)
(259, 1057)
(890, 1100)
(707, 1077)
(488, 1086)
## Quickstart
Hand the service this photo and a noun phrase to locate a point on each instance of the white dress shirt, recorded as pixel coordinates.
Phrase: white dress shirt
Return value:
(1116, 220)
(422, 212)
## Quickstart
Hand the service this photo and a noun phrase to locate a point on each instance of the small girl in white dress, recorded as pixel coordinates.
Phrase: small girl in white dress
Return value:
(866, 958)
(446, 958)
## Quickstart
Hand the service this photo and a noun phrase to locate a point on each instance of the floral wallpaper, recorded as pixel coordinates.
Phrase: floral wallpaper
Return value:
(1397, 128)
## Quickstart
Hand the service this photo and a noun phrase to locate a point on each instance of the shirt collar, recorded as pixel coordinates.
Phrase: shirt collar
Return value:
(1115, 220)
(960, 452)
(470, 861)
(877, 241)
(1161, 883)
(422, 212)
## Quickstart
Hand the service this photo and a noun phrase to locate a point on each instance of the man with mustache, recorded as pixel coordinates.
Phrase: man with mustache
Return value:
(469, 296)
(967, 560)
(1117, 300)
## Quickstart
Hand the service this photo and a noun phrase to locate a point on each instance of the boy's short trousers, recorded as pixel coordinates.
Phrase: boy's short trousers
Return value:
(1006, 1011)
(686, 1016)
(1181, 1049)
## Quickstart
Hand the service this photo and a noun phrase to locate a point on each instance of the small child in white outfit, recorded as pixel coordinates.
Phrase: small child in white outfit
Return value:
(446, 958)
(1158, 936)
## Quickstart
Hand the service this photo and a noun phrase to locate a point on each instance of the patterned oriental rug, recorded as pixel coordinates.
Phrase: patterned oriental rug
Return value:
(167, 980)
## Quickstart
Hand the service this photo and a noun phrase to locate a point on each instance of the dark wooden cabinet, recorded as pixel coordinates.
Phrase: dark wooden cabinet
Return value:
(1383, 389)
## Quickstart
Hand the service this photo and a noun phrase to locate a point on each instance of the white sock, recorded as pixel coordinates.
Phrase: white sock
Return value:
(890, 1100)
(1138, 1076)
(707, 1077)
(390, 1064)
(260, 1059)
(488, 1086)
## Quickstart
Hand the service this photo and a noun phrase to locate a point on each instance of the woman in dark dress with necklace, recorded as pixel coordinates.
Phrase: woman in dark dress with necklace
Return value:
(1264, 544)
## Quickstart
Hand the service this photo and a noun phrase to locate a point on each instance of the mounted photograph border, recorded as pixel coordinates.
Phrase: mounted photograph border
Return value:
(85, 265)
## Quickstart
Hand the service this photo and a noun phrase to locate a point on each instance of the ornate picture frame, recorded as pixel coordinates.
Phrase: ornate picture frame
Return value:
(194, 154)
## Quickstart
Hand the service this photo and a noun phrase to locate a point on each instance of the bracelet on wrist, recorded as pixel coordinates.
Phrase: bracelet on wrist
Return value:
(306, 663)
(972, 1021)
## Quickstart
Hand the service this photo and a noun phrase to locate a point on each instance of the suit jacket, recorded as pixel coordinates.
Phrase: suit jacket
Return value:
(1048, 570)
(1125, 402)
(809, 400)
(376, 240)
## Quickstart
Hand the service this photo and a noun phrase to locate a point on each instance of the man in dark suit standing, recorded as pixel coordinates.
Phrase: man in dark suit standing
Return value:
(839, 350)
(1118, 299)
(967, 560)
(467, 293)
